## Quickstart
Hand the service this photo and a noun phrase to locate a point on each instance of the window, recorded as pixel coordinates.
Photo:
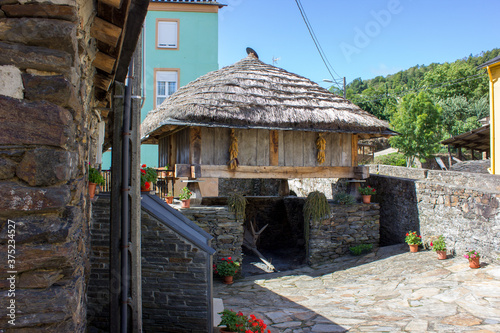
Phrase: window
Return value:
(167, 34)
(166, 84)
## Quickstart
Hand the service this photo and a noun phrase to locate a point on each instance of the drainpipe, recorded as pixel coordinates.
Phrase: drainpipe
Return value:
(125, 281)
(492, 121)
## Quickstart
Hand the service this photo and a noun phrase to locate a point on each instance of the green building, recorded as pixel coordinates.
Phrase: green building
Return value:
(180, 43)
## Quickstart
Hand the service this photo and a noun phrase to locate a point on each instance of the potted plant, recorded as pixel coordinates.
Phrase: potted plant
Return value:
(169, 198)
(95, 178)
(238, 322)
(413, 240)
(366, 193)
(235, 322)
(473, 257)
(255, 325)
(345, 199)
(185, 197)
(439, 246)
(227, 268)
(148, 176)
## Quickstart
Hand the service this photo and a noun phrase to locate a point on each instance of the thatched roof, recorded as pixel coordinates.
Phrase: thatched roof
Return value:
(252, 94)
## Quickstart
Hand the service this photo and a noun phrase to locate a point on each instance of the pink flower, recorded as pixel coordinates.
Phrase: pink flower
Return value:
(466, 256)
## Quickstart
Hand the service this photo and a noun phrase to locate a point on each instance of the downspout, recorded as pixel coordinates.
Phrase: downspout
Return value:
(125, 281)
(492, 121)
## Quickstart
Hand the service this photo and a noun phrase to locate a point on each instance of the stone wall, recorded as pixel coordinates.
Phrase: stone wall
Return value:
(222, 225)
(398, 207)
(98, 293)
(347, 226)
(302, 187)
(464, 207)
(175, 276)
(45, 98)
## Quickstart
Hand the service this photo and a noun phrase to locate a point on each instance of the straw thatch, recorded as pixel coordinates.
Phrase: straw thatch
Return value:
(252, 94)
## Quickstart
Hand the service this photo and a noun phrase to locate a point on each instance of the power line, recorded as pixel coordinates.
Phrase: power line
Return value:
(317, 44)
(435, 86)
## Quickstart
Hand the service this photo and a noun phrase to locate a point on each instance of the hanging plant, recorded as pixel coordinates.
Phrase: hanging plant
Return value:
(321, 146)
(233, 151)
(237, 204)
(316, 207)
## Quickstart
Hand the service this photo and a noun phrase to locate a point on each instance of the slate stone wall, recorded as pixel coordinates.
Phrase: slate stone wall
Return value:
(347, 226)
(463, 207)
(45, 98)
(98, 293)
(175, 278)
(222, 225)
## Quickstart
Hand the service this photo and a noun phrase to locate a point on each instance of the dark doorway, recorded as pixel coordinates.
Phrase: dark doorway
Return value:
(282, 242)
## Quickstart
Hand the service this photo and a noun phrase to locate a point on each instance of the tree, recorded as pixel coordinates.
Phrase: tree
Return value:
(418, 120)
(460, 115)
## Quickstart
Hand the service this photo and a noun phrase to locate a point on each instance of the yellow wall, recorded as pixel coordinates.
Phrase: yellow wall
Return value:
(494, 73)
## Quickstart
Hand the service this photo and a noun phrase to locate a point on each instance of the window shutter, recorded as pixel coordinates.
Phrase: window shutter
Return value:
(167, 34)
(166, 76)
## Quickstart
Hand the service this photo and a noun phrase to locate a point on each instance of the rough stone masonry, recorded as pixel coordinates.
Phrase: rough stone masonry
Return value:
(45, 99)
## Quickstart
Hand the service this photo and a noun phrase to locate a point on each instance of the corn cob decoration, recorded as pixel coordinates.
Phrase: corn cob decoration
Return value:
(233, 151)
(321, 145)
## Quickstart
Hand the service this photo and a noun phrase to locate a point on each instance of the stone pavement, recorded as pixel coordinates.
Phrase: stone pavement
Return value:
(390, 290)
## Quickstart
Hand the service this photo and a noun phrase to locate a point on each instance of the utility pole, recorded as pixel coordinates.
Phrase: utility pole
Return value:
(344, 89)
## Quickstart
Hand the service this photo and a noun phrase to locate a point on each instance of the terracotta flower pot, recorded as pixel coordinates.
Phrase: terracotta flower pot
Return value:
(228, 280)
(185, 203)
(224, 330)
(148, 186)
(474, 263)
(413, 247)
(169, 200)
(441, 254)
(92, 187)
(367, 199)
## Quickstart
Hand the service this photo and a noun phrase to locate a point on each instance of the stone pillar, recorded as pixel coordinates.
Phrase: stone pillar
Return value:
(45, 101)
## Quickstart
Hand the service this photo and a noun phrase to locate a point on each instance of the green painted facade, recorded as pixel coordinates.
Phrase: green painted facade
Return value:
(197, 54)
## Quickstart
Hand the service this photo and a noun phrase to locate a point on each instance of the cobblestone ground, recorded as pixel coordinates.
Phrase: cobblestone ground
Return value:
(390, 290)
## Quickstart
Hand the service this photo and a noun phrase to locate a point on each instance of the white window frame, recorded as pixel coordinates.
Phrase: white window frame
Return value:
(167, 34)
(168, 76)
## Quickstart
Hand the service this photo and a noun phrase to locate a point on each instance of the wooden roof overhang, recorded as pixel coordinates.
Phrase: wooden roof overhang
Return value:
(478, 139)
(116, 28)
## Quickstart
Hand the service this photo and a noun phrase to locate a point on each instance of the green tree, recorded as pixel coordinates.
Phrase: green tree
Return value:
(460, 115)
(418, 120)
(455, 79)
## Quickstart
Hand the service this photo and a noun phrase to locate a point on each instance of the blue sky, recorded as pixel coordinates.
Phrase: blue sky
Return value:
(360, 38)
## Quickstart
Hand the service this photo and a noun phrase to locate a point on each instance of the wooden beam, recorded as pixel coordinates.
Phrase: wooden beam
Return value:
(195, 145)
(222, 171)
(354, 150)
(114, 3)
(104, 62)
(102, 81)
(273, 148)
(105, 32)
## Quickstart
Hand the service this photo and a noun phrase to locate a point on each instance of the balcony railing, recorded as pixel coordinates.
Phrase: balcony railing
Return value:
(163, 182)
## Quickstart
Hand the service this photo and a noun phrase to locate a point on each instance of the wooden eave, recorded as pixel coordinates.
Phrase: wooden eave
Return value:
(477, 139)
(116, 28)
(117, 34)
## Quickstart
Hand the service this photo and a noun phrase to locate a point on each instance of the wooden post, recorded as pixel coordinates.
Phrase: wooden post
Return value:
(115, 220)
(273, 147)
(354, 150)
(195, 161)
(195, 145)
(449, 156)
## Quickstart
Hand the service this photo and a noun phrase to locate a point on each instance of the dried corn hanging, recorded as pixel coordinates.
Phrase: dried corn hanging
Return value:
(321, 145)
(233, 151)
